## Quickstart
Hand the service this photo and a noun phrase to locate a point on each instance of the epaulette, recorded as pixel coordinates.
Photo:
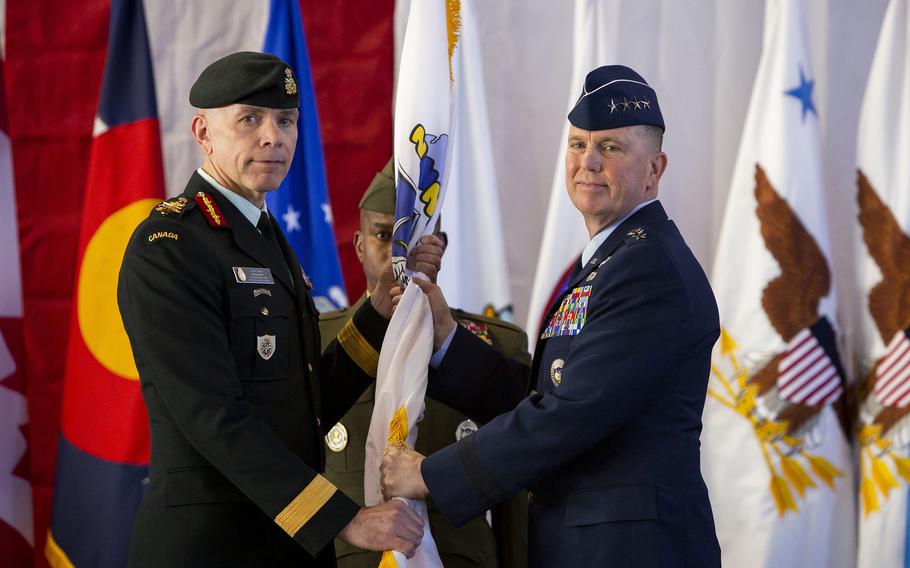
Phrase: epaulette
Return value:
(175, 206)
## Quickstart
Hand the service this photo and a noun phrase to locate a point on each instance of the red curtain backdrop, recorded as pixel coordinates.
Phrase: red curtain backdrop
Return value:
(55, 53)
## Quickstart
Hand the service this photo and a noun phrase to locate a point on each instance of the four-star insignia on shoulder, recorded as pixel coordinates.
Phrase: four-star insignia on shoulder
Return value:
(173, 206)
(637, 233)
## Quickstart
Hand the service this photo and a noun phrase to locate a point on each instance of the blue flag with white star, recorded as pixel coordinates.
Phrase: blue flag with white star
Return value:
(301, 204)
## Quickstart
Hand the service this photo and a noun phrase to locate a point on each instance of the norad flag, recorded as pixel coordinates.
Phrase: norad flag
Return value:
(103, 453)
(423, 123)
(883, 253)
(774, 448)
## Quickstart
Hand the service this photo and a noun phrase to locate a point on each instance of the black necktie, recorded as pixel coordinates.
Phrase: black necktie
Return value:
(268, 233)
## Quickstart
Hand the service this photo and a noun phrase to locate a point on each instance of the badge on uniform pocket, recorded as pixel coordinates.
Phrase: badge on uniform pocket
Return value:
(265, 345)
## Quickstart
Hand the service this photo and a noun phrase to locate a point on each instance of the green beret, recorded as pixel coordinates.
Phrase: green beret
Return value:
(380, 195)
(246, 77)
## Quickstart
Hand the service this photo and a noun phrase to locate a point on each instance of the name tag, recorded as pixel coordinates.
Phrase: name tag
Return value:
(252, 275)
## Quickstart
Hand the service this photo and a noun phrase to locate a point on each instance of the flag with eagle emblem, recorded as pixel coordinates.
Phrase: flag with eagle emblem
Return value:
(775, 453)
(883, 259)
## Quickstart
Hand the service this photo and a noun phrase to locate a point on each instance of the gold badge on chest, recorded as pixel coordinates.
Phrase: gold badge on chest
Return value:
(337, 438)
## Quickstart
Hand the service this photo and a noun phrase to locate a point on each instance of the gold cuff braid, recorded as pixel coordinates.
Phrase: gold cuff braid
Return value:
(307, 503)
(358, 348)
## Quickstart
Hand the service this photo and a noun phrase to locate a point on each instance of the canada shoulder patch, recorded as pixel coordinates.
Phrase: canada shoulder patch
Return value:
(160, 235)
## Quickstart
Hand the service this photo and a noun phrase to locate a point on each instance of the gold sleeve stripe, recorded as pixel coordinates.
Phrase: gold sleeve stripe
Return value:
(358, 348)
(305, 505)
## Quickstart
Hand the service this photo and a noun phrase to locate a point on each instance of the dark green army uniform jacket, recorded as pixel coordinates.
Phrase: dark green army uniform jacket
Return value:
(474, 544)
(238, 391)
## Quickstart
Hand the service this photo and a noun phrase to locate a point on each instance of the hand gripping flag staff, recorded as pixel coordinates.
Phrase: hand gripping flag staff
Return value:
(423, 120)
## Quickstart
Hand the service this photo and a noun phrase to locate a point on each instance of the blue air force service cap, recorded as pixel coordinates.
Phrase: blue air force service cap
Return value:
(246, 77)
(614, 96)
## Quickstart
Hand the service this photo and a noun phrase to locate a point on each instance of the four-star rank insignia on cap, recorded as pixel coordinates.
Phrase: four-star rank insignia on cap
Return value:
(290, 85)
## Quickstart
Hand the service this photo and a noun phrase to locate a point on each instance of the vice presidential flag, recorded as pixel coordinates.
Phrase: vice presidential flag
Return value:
(301, 204)
(103, 452)
(423, 122)
(16, 524)
(774, 450)
(883, 338)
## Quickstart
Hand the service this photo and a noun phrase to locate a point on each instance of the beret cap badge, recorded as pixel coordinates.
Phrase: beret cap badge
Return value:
(290, 85)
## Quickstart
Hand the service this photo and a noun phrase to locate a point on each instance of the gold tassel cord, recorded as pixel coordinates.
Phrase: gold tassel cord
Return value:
(387, 560)
(398, 427)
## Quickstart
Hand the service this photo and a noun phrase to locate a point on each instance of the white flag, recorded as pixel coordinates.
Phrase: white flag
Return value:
(775, 455)
(475, 276)
(424, 111)
(564, 234)
(883, 253)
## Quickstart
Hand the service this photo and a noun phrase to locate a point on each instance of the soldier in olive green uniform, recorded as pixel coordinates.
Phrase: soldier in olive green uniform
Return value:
(476, 543)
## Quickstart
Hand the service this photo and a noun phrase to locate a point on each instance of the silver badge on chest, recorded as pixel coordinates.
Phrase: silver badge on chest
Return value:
(466, 428)
(265, 345)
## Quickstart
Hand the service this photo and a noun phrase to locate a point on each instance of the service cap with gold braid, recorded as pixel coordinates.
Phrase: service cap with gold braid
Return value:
(246, 77)
(380, 194)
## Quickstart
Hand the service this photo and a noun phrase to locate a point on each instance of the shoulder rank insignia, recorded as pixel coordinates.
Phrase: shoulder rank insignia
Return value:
(571, 315)
(478, 329)
(173, 206)
(637, 233)
(210, 211)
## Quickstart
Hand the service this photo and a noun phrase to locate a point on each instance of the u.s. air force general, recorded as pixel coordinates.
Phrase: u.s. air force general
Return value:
(609, 444)
(226, 341)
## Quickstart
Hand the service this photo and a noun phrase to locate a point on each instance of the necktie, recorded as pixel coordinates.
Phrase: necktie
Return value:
(268, 233)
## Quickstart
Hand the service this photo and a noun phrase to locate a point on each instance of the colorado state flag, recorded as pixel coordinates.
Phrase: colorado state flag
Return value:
(104, 442)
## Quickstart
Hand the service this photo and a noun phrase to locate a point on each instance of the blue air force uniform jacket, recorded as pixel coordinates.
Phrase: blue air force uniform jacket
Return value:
(609, 444)
(226, 341)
